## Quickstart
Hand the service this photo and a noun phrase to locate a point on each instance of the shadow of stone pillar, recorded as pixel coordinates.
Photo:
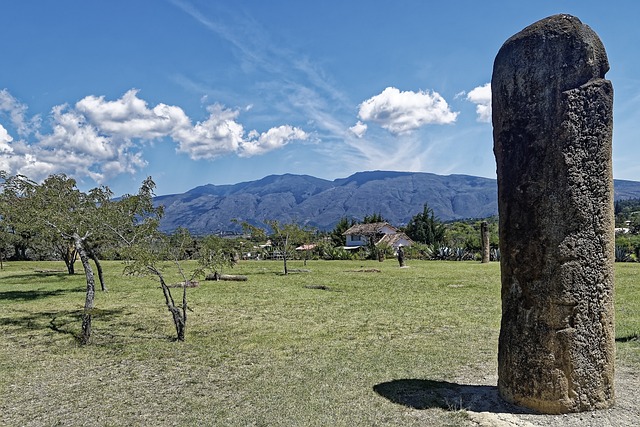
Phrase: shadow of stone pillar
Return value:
(552, 129)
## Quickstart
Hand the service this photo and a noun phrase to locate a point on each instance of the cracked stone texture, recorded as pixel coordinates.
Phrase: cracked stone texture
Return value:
(552, 129)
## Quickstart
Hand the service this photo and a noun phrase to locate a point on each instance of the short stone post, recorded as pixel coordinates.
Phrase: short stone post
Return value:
(552, 129)
(400, 256)
(485, 237)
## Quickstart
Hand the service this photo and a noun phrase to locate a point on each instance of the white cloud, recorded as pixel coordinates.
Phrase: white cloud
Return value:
(17, 112)
(100, 139)
(481, 96)
(401, 112)
(6, 151)
(5, 138)
(218, 135)
(129, 116)
(359, 129)
(270, 140)
(81, 148)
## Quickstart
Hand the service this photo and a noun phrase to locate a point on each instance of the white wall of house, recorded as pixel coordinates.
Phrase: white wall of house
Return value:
(387, 229)
(356, 240)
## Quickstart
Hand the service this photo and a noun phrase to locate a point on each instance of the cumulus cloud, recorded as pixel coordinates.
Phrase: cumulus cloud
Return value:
(17, 113)
(6, 151)
(270, 140)
(84, 148)
(100, 139)
(130, 117)
(481, 96)
(401, 112)
(218, 135)
(5, 138)
(359, 129)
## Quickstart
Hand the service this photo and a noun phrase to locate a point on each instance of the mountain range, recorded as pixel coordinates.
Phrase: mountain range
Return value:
(320, 203)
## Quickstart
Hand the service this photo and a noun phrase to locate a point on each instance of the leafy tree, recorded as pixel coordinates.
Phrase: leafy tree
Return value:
(57, 210)
(5, 235)
(148, 254)
(286, 237)
(426, 228)
(21, 202)
(182, 237)
(629, 243)
(328, 251)
(57, 207)
(626, 206)
(215, 254)
(466, 234)
(336, 235)
(461, 234)
(17, 228)
(254, 233)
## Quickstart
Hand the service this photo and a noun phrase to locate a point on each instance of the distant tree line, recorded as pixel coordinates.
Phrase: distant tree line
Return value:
(627, 215)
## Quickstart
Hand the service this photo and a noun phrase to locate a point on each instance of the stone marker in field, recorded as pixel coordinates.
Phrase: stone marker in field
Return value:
(485, 237)
(552, 127)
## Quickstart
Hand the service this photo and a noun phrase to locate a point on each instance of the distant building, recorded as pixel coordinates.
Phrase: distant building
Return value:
(377, 233)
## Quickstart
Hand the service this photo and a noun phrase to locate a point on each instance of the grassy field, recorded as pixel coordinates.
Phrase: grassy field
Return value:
(334, 346)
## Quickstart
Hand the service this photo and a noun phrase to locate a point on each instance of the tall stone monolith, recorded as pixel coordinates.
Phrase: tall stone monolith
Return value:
(552, 129)
(485, 238)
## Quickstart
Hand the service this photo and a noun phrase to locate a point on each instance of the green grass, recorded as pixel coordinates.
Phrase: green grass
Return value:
(266, 352)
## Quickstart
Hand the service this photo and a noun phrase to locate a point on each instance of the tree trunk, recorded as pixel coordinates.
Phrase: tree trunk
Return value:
(179, 319)
(93, 256)
(68, 254)
(184, 313)
(91, 290)
(20, 252)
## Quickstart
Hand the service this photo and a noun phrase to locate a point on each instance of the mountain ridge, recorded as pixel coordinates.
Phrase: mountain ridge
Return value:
(321, 203)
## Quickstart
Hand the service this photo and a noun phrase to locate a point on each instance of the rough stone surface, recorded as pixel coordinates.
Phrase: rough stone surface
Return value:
(552, 127)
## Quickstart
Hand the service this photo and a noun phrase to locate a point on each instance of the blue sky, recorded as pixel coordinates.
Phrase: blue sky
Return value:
(197, 92)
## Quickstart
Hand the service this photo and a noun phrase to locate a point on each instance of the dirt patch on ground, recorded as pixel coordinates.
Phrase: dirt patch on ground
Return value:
(487, 409)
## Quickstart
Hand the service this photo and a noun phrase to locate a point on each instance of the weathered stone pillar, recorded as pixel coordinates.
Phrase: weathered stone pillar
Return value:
(485, 238)
(552, 128)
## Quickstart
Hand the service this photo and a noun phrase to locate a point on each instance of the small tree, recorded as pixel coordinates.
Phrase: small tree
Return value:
(215, 254)
(57, 209)
(148, 255)
(286, 237)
